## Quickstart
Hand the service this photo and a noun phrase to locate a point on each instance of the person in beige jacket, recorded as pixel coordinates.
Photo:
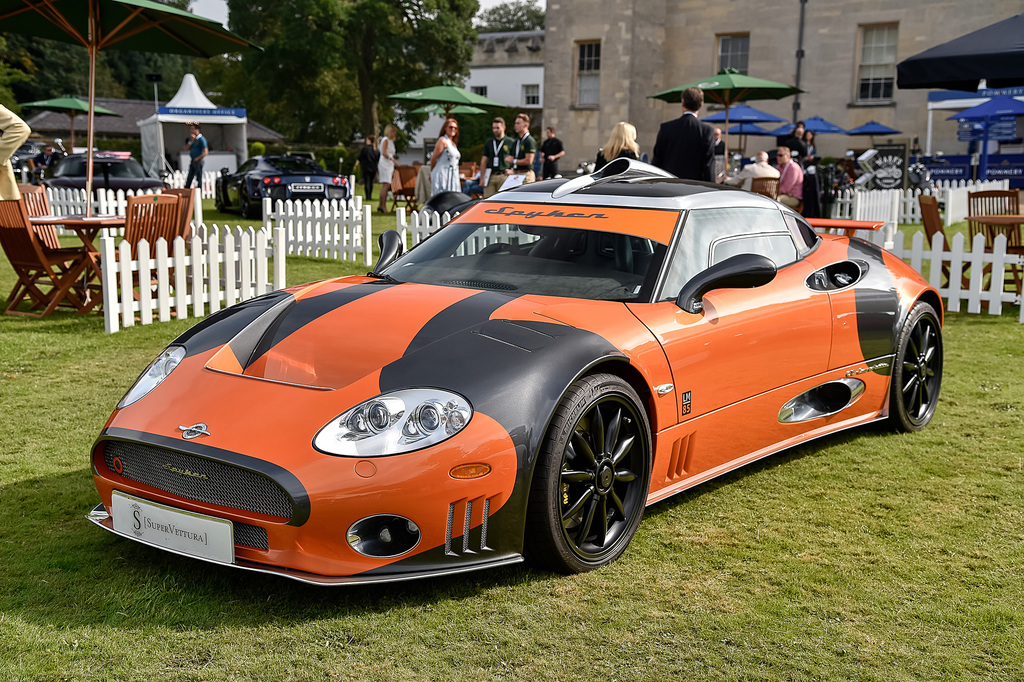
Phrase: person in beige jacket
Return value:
(15, 133)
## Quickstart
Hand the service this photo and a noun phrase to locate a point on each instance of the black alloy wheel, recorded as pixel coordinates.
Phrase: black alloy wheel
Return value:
(247, 211)
(592, 479)
(917, 370)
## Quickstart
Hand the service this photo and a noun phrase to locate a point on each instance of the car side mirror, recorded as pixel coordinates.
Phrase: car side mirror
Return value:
(744, 271)
(224, 171)
(391, 246)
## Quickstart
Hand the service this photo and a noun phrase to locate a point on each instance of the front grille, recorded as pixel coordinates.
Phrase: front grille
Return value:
(197, 478)
(250, 536)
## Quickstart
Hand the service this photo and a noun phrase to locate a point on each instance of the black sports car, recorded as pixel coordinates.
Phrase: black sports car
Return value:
(277, 177)
(113, 170)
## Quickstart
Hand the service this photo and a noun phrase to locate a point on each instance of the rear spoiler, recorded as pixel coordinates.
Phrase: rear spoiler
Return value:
(850, 227)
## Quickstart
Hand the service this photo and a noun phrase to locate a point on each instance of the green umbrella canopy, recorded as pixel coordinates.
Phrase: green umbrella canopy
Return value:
(729, 86)
(72, 106)
(447, 96)
(117, 25)
(459, 109)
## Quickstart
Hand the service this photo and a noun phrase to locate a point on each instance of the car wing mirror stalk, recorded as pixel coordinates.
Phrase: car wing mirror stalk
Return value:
(744, 271)
(391, 246)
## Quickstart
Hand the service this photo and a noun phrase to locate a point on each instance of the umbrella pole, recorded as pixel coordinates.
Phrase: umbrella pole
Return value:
(72, 116)
(93, 49)
(725, 140)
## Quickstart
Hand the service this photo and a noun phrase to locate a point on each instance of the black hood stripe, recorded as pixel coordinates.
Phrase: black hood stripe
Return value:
(307, 310)
(469, 312)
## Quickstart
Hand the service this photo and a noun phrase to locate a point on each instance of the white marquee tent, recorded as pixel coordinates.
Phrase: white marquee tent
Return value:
(164, 134)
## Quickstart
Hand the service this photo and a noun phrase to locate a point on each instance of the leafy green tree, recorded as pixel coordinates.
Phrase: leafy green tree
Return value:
(514, 15)
(398, 45)
(298, 84)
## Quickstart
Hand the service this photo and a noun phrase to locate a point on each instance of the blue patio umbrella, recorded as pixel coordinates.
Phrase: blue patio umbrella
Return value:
(985, 112)
(741, 113)
(749, 129)
(816, 124)
(783, 130)
(872, 128)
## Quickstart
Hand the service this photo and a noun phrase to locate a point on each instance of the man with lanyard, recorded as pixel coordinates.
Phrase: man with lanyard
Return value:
(493, 160)
(197, 151)
(522, 150)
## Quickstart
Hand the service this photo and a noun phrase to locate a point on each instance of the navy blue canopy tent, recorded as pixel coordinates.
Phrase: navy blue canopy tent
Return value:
(987, 113)
(994, 53)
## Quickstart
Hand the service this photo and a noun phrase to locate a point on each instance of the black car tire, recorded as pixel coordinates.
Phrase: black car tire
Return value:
(917, 370)
(247, 208)
(592, 477)
(218, 200)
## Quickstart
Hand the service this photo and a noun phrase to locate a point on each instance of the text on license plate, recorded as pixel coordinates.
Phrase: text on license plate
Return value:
(307, 187)
(174, 529)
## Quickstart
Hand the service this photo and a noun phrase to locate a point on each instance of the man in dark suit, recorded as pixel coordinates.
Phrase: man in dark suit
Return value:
(686, 146)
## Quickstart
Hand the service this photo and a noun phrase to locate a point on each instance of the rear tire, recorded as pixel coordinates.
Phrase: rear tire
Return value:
(917, 370)
(592, 478)
(247, 209)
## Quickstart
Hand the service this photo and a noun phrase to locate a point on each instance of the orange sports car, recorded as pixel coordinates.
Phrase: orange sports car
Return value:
(521, 384)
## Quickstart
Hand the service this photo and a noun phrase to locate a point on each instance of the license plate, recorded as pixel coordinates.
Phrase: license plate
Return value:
(174, 529)
(307, 187)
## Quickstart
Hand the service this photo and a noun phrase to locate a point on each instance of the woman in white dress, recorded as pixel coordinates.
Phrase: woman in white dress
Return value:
(386, 165)
(444, 162)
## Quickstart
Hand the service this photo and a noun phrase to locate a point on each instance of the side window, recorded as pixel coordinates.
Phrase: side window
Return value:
(711, 235)
(247, 166)
(805, 236)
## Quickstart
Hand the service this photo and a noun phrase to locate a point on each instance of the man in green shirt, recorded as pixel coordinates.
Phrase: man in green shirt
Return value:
(522, 149)
(493, 160)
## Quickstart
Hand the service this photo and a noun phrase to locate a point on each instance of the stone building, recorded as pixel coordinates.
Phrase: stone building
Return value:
(603, 58)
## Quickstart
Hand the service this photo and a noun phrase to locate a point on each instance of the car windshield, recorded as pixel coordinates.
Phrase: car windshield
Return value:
(74, 167)
(294, 164)
(531, 259)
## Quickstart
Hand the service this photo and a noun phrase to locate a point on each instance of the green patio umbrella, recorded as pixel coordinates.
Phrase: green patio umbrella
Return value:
(72, 106)
(459, 109)
(729, 86)
(140, 25)
(448, 96)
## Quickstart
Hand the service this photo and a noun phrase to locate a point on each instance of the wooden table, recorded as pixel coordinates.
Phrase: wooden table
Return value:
(1007, 224)
(87, 228)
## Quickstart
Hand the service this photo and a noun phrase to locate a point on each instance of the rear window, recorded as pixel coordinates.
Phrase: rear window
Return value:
(294, 164)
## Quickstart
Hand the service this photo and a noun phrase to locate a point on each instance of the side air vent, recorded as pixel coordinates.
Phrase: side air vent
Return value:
(679, 462)
(822, 401)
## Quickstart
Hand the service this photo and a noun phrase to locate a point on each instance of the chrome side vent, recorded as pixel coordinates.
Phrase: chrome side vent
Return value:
(679, 462)
(474, 539)
(822, 401)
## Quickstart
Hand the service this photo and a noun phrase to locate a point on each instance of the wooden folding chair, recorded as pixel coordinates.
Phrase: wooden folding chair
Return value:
(150, 217)
(39, 205)
(933, 226)
(186, 207)
(998, 202)
(769, 187)
(38, 266)
(403, 187)
(990, 202)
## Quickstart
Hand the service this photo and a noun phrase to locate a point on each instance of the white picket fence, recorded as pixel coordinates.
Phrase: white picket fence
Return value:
(208, 184)
(326, 228)
(977, 259)
(852, 203)
(67, 201)
(216, 268)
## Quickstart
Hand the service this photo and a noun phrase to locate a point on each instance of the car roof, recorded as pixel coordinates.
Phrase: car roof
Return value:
(633, 184)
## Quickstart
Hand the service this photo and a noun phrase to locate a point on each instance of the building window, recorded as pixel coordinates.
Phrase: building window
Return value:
(531, 95)
(877, 63)
(479, 90)
(588, 74)
(734, 52)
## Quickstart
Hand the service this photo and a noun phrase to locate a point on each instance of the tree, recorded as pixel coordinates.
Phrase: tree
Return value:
(398, 45)
(514, 15)
(298, 84)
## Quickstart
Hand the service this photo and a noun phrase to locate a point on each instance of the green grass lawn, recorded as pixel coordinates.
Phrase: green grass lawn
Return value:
(862, 556)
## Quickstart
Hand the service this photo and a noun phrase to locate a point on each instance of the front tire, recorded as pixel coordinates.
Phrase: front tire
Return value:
(592, 478)
(917, 370)
(248, 212)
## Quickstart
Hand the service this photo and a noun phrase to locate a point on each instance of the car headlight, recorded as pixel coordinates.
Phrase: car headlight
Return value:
(396, 422)
(154, 375)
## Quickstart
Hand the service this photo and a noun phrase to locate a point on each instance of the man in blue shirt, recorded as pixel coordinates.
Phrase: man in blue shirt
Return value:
(198, 148)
